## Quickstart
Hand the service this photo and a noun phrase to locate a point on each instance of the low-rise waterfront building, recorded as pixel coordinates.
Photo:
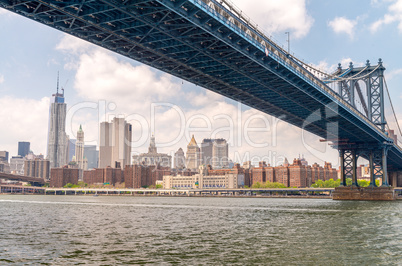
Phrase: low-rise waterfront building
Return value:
(204, 180)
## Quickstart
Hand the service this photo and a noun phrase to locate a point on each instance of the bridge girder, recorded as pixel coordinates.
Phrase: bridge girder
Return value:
(154, 32)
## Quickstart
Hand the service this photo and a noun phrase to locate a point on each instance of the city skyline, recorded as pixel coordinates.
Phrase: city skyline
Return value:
(348, 29)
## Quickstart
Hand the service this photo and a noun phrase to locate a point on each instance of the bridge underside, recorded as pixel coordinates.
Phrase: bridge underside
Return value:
(190, 40)
(33, 180)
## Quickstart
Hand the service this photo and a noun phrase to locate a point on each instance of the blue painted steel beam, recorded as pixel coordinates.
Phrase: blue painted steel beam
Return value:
(188, 40)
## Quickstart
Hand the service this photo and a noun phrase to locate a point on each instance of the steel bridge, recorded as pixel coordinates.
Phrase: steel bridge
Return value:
(212, 44)
(33, 180)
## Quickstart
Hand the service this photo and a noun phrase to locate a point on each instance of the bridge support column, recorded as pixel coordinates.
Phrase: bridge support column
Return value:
(342, 164)
(393, 178)
(371, 166)
(354, 169)
(385, 182)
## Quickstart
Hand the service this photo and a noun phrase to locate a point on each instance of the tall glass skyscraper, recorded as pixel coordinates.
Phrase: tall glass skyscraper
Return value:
(23, 148)
(57, 142)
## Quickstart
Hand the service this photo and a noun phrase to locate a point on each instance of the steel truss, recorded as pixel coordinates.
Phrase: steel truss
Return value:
(377, 158)
(373, 78)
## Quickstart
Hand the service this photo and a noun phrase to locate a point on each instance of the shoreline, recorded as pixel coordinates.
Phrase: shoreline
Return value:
(175, 196)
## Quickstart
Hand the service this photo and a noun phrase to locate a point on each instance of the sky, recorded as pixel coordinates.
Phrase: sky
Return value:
(100, 85)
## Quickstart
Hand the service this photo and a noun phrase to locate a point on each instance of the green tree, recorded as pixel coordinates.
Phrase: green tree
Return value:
(256, 185)
(68, 185)
(363, 183)
(268, 185)
(158, 186)
(318, 184)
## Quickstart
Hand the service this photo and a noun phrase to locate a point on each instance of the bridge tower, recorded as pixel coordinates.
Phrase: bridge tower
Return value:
(363, 89)
(352, 82)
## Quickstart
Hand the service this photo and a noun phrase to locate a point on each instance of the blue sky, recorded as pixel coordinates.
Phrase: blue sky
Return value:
(322, 33)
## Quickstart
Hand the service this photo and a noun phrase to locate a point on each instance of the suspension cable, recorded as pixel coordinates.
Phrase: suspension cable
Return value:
(338, 77)
(392, 107)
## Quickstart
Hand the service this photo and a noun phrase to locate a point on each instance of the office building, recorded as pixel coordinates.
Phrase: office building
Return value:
(152, 157)
(37, 167)
(115, 143)
(193, 156)
(92, 156)
(80, 159)
(4, 156)
(17, 165)
(204, 179)
(23, 148)
(4, 165)
(179, 159)
(71, 149)
(215, 152)
(57, 147)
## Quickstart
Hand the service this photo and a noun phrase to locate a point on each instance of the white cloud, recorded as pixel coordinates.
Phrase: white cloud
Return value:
(279, 16)
(24, 120)
(343, 25)
(394, 15)
(72, 45)
(100, 75)
(394, 73)
(1, 78)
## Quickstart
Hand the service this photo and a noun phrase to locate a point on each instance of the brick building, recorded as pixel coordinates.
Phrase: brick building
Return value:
(59, 177)
(270, 173)
(297, 174)
(107, 175)
(237, 170)
(317, 173)
(37, 168)
(329, 172)
(282, 175)
(258, 173)
(137, 176)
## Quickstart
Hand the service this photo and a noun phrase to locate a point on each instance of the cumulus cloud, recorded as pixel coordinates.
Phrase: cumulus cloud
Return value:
(1, 78)
(279, 16)
(24, 120)
(394, 73)
(160, 104)
(343, 25)
(394, 15)
(72, 45)
(102, 76)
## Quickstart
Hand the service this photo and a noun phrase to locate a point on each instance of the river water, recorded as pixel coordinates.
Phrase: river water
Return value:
(109, 230)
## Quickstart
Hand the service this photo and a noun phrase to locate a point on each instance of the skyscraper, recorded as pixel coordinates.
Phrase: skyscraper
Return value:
(92, 155)
(23, 148)
(215, 152)
(193, 158)
(57, 144)
(179, 159)
(115, 143)
(79, 150)
(153, 157)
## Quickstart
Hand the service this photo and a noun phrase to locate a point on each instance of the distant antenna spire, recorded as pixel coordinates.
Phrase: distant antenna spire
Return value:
(57, 82)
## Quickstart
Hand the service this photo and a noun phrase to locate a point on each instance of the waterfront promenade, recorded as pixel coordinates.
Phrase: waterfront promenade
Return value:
(241, 192)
